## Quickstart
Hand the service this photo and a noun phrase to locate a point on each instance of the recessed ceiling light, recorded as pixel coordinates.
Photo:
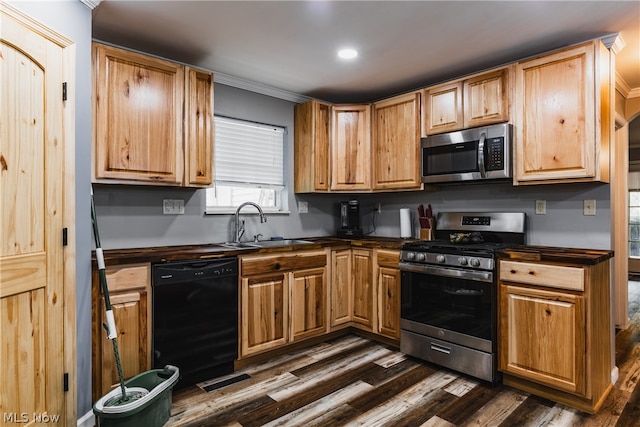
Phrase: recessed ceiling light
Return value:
(347, 53)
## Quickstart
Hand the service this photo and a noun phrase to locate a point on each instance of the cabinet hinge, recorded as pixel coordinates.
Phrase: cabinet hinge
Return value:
(64, 237)
(64, 91)
(65, 382)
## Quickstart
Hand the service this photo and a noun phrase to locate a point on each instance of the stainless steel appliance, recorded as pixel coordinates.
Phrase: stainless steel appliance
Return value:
(467, 155)
(350, 219)
(195, 317)
(449, 291)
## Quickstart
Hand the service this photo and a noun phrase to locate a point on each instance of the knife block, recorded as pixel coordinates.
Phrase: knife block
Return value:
(426, 234)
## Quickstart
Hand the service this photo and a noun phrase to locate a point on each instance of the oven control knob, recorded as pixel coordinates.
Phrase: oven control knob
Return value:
(462, 261)
(473, 262)
(440, 259)
(420, 256)
(411, 255)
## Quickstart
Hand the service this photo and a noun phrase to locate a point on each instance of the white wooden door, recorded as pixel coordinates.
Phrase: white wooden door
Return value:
(32, 145)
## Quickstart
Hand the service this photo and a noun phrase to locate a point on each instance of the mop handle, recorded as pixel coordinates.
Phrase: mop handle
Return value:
(111, 324)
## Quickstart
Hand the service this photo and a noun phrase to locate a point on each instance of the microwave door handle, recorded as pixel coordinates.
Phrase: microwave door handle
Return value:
(483, 172)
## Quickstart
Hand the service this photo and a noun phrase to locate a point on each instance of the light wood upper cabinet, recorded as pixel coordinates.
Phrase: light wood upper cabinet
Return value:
(311, 146)
(199, 131)
(129, 291)
(477, 100)
(563, 116)
(486, 98)
(152, 118)
(443, 108)
(351, 147)
(396, 143)
(554, 330)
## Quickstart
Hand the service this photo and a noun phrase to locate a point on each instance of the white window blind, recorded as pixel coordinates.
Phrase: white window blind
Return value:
(248, 153)
(248, 165)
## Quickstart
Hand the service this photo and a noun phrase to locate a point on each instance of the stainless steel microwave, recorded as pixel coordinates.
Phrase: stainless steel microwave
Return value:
(467, 155)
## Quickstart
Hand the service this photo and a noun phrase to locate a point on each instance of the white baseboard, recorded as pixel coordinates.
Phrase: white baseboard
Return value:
(615, 372)
(87, 420)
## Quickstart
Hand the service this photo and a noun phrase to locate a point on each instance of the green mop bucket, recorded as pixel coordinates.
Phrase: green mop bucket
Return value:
(148, 401)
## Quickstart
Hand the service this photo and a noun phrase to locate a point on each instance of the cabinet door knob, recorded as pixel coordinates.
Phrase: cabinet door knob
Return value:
(277, 266)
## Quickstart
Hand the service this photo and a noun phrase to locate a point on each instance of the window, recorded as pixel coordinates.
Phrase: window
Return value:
(248, 166)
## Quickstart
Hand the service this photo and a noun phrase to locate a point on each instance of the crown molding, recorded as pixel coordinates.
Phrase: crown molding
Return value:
(91, 4)
(260, 88)
(614, 42)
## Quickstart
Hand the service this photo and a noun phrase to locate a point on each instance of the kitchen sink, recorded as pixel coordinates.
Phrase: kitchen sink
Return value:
(241, 245)
(265, 244)
(277, 243)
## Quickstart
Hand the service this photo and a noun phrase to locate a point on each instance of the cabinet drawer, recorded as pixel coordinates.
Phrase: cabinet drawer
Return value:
(389, 259)
(554, 276)
(131, 276)
(262, 264)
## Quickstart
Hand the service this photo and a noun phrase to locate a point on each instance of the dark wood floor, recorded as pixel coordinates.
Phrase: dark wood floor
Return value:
(351, 381)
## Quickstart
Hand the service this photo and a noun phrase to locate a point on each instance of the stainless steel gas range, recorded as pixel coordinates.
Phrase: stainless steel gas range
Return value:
(448, 312)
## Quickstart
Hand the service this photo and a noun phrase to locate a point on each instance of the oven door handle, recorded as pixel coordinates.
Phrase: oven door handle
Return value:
(479, 276)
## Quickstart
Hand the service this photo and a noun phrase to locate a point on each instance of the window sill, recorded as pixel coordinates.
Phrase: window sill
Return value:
(232, 211)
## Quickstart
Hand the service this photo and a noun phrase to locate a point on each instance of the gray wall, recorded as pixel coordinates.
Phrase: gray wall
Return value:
(132, 217)
(73, 20)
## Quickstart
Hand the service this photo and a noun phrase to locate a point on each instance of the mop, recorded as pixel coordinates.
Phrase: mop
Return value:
(127, 394)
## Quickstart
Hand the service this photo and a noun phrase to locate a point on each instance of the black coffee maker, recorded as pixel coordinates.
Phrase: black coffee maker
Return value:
(350, 219)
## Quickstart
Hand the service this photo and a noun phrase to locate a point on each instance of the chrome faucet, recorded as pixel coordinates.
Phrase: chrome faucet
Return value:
(240, 226)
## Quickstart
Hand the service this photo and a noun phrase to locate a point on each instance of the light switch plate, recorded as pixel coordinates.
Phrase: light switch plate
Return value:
(541, 207)
(589, 207)
(303, 207)
(173, 207)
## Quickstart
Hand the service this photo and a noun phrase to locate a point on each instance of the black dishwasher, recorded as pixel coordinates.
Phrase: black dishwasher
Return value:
(195, 317)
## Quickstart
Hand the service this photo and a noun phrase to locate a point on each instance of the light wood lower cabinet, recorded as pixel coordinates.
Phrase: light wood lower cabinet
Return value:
(554, 330)
(388, 293)
(365, 290)
(129, 291)
(283, 299)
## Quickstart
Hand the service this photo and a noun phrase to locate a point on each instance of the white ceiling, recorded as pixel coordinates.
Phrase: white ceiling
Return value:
(291, 45)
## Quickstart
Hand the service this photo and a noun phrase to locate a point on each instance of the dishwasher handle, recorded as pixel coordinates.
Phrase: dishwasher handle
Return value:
(185, 271)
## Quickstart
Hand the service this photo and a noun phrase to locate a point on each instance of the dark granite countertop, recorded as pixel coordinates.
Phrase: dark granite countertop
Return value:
(217, 250)
(556, 254)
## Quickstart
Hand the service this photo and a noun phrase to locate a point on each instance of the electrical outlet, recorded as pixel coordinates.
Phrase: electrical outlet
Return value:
(173, 207)
(378, 207)
(589, 207)
(303, 207)
(541, 207)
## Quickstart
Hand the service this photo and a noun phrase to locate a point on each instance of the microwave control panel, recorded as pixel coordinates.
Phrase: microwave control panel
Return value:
(495, 154)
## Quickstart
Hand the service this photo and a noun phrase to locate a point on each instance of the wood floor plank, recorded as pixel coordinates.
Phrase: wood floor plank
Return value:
(392, 388)
(312, 378)
(631, 412)
(461, 386)
(383, 375)
(306, 394)
(496, 410)
(315, 409)
(529, 413)
(465, 407)
(417, 395)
